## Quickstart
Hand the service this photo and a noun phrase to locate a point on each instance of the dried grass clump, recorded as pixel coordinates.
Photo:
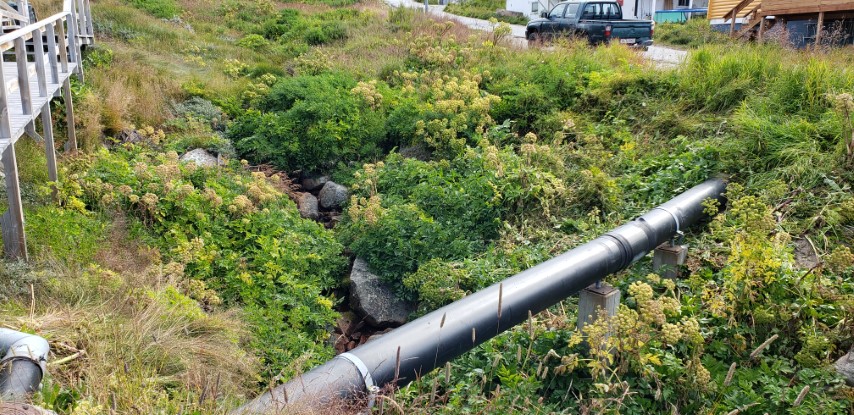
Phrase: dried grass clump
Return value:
(124, 337)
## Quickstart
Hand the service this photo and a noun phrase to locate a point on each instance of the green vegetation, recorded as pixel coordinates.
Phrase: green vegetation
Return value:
(693, 33)
(484, 9)
(468, 161)
(164, 9)
(234, 238)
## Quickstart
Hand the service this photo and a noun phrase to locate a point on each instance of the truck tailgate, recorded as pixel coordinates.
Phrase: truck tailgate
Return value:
(631, 30)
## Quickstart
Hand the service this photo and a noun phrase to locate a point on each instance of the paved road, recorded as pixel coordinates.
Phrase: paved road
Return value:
(661, 56)
(518, 30)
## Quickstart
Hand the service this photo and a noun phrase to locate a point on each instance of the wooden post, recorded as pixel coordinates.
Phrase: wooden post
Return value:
(5, 121)
(87, 10)
(23, 10)
(761, 29)
(667, 259)
(49, 146)
(38, 57)
(23, 78)
(63, 45)
(71, 144)
(73, 48)
(12, 222)
(51, 53)
(818, 29)
(595, 298)
(732, 25)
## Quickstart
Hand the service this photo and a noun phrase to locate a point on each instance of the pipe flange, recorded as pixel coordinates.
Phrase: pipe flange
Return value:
(370, 385)
(679, 234)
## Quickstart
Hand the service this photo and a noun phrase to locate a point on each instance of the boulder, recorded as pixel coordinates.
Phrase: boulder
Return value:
(313, 182)
(374, 300)
(130, 136)
(333, 195)
(845, 367)
(17, 408)
(201, 157)
(308, 206)
(805, 255)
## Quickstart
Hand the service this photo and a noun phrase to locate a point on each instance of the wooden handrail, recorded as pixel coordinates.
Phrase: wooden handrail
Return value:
(23, 32)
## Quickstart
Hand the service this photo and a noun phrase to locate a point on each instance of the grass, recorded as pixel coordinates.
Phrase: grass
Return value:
(123, 323)
(484, 9)
(693, 33)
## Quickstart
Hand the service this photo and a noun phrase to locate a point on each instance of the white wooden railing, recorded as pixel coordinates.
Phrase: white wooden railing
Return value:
(36, 61)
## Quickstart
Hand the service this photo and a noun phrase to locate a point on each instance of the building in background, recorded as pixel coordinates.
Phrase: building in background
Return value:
(632, 9)
(645, 9)
(803, 22)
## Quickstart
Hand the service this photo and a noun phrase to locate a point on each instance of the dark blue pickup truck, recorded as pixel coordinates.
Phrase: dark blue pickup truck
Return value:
(598, 21)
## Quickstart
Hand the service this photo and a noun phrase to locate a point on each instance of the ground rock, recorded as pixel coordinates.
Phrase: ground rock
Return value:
(373, 299)
(18, 408)
(805, 255)
(313, 182)
(308, 206)
(845, 367)
(333, 195)
(130, 136)
(201, 157)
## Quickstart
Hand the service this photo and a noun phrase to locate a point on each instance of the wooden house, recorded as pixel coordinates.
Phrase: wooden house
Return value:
(807, 22)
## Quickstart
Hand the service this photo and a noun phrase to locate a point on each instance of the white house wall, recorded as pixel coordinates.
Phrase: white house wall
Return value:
(525, 7)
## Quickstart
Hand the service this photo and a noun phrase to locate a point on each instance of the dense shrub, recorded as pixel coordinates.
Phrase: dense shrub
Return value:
(694, 33)
(407, 211)
(235, 232)
(283, 23)
(326, 33)
(310, 122)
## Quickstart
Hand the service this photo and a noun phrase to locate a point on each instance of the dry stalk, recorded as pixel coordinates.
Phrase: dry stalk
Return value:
(801, 396)
(729, 374)
(763, 346)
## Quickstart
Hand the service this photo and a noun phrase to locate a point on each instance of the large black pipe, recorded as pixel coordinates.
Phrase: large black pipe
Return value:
(422, 345)
(23, 364)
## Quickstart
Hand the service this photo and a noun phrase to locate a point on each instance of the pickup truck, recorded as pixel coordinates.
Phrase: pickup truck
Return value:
(599, 21)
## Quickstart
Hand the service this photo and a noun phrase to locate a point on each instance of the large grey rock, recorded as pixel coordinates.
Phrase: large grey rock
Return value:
(805, 255)
(845, 367)
(308, 206)
(130, 136)
(201, 157)
(333, 195)
(314, 182)
(19, 408)
(374, 300)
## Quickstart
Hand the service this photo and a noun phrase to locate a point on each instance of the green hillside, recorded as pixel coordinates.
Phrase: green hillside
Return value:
(169, 288)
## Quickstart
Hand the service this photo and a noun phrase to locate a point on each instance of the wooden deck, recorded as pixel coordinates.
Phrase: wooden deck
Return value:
(37, 60)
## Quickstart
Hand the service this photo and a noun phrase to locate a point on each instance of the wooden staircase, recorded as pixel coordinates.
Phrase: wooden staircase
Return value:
(37, 60)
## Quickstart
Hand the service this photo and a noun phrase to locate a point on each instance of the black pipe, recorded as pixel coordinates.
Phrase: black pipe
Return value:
(23, 364)
(420, 346)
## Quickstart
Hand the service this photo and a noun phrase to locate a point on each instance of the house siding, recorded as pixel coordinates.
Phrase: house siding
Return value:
(719, 8)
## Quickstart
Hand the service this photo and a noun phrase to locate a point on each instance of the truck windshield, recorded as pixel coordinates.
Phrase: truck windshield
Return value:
(557, 12)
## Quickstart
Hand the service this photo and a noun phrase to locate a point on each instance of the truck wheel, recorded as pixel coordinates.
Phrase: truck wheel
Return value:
(534, 38)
